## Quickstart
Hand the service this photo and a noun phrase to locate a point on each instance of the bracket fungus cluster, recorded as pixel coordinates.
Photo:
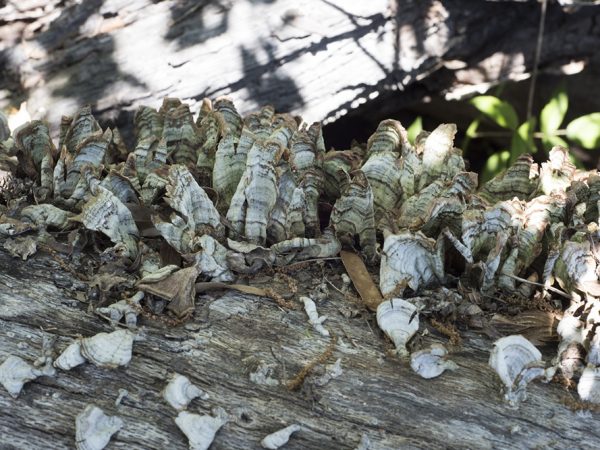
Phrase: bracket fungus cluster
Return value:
(230, 195)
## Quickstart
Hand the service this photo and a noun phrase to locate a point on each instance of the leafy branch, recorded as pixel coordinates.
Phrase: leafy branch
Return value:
(583, 131)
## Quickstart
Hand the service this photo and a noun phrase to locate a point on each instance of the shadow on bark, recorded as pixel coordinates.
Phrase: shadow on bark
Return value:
(189, 26)
(89, 63)
(267, 83)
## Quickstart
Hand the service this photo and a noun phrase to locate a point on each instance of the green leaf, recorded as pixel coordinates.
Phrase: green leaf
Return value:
(499, 111)
(551, 141)
(495, 164)
(414, 129)
(470, 134)
(585, 130)
(522, 140)
(554, 112)
(472, 130)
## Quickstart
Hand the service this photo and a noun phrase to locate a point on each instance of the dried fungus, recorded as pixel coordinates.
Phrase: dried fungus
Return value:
(93, 428)
(201, 430)
(399, 320)
(180, 392)
(517, 362)
(279, 438)
(410, 260)
(107, 350)
(15, 372)
(431, 362)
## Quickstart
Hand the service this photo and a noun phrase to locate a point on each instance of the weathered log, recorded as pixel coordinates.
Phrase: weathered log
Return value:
(225, 341)
(319, 59)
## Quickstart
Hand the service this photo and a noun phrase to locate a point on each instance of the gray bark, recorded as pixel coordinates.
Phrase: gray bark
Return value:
(377, 394)
(320, 59)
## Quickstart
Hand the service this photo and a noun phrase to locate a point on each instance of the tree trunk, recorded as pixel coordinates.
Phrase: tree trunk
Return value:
(319, 59)
(231, 336)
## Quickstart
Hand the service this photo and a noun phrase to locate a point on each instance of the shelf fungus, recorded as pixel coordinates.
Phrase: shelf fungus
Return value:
(211, 260)
(279, 438)
(180, 392)
(232, 152)
(211, 125)
(201, 430)
(431, 362)
(519, 180)
(108, 350)
(15, 372)
(571, 354)
(557, 173)
(438, 205)
(104, 212)
(576, 267)
(256, 194)
(538, 215)
(128, 309)
(179, 131)
(93, 428)
(4, 128)
(517, 362)
(69, 184)
(337, 165)
(382, 166)
(198, 216)
(588, 387)
(36, 154)
(410, 260)
(399, 320)
(47, 215)
(300, 249)
(439, 157)
(353, 216)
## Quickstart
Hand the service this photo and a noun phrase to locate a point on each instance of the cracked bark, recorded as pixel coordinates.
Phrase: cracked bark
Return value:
(320, 59)
(377, 394)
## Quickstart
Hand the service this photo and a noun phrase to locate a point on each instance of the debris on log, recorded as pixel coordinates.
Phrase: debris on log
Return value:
(193, 207)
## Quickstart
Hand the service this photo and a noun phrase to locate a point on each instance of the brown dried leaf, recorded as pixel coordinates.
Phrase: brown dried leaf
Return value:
(21, 247)
(178, 288)
(537, 326)
(168, 255)
(207, 286)
(361, 279)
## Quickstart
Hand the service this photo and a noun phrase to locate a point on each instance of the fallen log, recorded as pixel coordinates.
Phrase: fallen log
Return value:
(232, 336)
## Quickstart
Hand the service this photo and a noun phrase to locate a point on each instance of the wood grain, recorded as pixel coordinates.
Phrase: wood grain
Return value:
(226, 339)
(317, 58)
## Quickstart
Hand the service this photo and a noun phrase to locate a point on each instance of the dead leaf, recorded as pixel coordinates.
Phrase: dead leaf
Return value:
(361, 279)
(14, 227)
(106, 281)
(215, 286)
(537, 326)
(179, 289)
(21, 247)
(141, 215)
(168, 255)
